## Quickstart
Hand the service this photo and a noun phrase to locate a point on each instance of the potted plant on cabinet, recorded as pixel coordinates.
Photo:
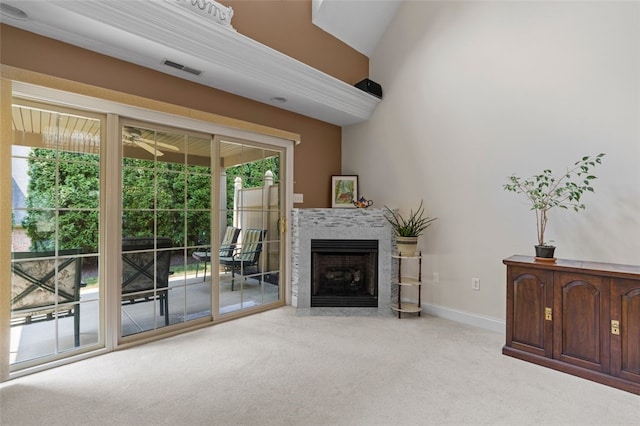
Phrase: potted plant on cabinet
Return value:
(408, 229)
(546, 190)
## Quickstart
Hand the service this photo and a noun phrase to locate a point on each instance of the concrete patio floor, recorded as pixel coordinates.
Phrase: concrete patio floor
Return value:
(189, 299)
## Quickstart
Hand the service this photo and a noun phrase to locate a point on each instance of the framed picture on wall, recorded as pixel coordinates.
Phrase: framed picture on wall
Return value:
(344, 189)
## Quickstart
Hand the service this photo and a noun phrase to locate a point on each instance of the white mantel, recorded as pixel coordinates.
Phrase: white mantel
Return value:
(339, 224)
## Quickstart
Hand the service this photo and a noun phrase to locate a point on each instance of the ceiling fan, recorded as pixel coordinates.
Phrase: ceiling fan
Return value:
(133, 136)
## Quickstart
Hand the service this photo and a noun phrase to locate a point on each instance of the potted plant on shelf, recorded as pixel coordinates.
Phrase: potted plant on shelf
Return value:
(408, 229)
(546, 190)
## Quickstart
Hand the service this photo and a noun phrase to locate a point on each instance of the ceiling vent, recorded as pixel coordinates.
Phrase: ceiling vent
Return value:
(182, 67)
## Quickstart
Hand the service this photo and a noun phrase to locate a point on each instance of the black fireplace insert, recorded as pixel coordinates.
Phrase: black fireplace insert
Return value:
(344, 273)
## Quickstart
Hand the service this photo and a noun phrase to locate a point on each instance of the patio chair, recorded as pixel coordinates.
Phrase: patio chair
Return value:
(138, 283)
(38, 293)
(227, 246)
(246, 256)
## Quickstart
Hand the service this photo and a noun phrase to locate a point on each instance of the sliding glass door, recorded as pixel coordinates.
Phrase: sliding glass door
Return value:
(252, 205)
(176, 253)
(124, 229)
(55, 254)
(166, 215)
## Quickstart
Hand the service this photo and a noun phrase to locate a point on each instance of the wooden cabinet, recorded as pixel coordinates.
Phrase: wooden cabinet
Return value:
(407, 282)
(625, 329)
(581, 318)
(580, 335)
(530, 291)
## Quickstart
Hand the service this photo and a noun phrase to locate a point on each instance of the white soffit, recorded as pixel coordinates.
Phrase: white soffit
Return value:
(360, 24)
(146, 32)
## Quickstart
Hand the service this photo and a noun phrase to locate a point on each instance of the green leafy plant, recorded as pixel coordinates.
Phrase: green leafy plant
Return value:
(412, 226)
(72, 184)
(546, 190)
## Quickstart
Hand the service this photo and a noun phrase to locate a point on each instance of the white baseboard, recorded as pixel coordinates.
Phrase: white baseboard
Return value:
(487, 323)
(479, 321)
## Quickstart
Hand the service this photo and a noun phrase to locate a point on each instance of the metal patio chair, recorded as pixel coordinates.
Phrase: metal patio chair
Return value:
(246, 256)
(227, 247)
(138, 281)
(45, 286)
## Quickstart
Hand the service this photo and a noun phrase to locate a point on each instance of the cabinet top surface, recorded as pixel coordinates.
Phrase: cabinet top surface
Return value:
(575, 265)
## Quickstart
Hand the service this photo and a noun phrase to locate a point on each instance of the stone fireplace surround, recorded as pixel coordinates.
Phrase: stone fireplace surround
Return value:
(339, 224)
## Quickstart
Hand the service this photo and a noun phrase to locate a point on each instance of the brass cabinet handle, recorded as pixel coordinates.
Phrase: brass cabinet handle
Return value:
(615, 327)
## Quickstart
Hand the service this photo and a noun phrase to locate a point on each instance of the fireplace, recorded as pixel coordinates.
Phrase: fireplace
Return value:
(344, 273)
(344, 227)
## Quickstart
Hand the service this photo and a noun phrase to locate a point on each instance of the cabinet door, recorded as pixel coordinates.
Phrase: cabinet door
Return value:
(529, 292)
(581, 332)
(625, 347)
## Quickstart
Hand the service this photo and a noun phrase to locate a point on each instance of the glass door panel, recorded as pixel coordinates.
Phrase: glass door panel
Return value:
(166, 216)
(197, 213)
(55, 288)
(250, 275)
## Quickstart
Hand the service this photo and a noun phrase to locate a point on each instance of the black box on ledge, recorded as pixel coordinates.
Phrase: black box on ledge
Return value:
(370, 87)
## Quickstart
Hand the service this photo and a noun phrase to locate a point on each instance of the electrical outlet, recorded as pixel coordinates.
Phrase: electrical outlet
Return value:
(298, 198)
(436, 277)
(475, 284)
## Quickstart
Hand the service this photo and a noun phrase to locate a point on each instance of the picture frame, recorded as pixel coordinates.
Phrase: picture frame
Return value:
(344, 189)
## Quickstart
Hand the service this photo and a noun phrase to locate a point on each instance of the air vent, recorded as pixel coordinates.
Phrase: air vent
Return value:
(178, 66)
(192, 70)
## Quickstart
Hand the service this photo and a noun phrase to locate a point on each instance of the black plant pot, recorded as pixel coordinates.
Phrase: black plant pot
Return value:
(545, 252)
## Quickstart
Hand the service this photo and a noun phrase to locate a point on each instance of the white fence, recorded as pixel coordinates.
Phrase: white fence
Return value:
(259, 208)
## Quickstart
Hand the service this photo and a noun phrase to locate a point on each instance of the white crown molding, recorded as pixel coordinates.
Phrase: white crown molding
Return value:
(146, 32)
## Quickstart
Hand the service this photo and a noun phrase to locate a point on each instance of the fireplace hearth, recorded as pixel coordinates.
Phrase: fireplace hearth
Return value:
(344, 273)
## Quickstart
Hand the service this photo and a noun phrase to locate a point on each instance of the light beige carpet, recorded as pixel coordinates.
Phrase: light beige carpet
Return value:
(277, 368)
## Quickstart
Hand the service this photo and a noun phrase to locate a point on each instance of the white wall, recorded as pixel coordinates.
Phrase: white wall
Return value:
(476, 91)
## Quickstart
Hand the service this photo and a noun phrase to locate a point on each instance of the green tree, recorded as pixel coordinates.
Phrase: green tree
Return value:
(164, 195)
(62, 195)
(167, 199)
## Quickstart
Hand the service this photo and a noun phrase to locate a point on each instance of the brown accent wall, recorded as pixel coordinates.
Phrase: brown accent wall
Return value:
(316, 158)
(286, 26)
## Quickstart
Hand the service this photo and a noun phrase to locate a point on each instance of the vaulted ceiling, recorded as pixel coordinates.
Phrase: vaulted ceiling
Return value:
(150, 32)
